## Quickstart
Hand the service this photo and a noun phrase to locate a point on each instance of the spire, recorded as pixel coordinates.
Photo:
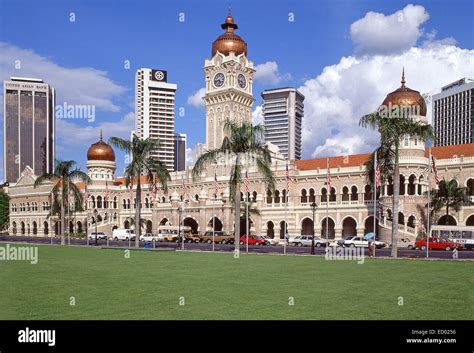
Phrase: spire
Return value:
(403, 77)
(101, 135)
(229, 12)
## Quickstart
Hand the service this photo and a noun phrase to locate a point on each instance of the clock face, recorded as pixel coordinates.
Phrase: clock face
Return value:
(219, 79)
(159, 75)
(242, 81)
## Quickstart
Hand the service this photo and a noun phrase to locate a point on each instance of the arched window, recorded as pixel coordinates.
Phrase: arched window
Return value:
(354, 193)
(324, 195)
(304, 196)
(312, 195)
(332, 195)
(277, 196)
(269, 197)
(254, 196)
(345, 193)
(115, 202)
(99, 201)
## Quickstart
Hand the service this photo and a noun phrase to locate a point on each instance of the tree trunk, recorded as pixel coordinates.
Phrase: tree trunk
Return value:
(63, 214)
(395, 199)
(137, 212)
(237, 219)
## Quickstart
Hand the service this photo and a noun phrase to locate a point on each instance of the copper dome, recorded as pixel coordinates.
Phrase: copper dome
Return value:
(404, 97)
(229, 41)
(100, 151)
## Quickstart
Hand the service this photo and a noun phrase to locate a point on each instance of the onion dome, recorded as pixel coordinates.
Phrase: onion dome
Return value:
(406, 97)
(100, 151)
(229, 41)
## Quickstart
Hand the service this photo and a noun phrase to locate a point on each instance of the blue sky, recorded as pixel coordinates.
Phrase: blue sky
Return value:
(306, 53)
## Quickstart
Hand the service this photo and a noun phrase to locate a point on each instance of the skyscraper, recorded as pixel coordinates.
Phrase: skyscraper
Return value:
(154, 112)
(179, 152)
(283, 111)
(29, 106)
(453, 113)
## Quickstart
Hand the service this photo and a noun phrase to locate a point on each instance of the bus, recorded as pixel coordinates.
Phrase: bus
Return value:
(458, 234)
(170, 233)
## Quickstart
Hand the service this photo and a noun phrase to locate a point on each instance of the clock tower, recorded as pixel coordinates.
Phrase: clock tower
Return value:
(229, 79)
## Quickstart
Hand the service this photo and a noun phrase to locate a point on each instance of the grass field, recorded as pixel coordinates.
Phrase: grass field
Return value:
(148, 285)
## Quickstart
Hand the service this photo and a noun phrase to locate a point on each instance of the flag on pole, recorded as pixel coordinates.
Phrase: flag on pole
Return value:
(154, 190)
(329, 178)
(216, 185)
(86, 195)
(378, 183)
(106, 194)
(246, 182)
(435, 170)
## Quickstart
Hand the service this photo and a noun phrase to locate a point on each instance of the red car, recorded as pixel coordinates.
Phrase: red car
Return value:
(437, 244)
(253, 240)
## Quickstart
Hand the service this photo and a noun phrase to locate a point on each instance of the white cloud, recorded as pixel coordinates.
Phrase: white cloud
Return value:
(196, 99)
(257, 115)
(338, 97)
(84, 85)
(86, 135)
(189, 156)
(380, 34)
(431, 40)
(268, 73)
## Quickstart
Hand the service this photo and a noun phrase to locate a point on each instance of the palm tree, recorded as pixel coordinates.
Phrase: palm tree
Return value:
(242, 143)
(64, 178)
(449, 196)
(4, 210)
(392, 130)
(141, 165)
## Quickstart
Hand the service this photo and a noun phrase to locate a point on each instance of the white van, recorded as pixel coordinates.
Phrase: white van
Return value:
(123, 234)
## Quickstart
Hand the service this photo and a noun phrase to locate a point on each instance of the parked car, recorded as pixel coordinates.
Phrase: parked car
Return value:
(437, 244)
(218, 238)
(149, 237)
(99, 235)
(123, 234)
(252, 240)
(270, 241)
(318, 242)
(361, 242)
(405, 243)
(192, 238)
(340, 242)
(301, 240)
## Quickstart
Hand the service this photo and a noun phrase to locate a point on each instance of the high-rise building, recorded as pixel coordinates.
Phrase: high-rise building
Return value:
(154, 112)
(283, 111)
(179, 152)
(29, 106)
(229, 79)
(453, 113)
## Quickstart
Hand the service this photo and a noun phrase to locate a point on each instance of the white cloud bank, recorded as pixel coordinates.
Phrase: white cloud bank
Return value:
(196, 99)
(337, 98)
(268, 73)
(84, 85)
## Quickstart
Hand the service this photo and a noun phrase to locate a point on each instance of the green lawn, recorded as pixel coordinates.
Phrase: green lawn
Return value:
(149, 285)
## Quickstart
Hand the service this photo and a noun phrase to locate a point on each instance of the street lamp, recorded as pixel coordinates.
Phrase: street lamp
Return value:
(313, 207)
(95, 220)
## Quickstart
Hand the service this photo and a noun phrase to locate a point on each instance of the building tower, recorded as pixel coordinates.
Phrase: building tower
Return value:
(28, 138)
(283, 111)
(179, 152)
(154, 112)
(101, 161)
(453, 113)
(229, 79)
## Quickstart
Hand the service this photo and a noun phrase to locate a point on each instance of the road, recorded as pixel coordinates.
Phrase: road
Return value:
(266, 249)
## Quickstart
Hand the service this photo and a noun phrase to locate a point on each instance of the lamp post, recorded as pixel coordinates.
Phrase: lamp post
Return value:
(313, 207)
(95, 220)
(179, 225)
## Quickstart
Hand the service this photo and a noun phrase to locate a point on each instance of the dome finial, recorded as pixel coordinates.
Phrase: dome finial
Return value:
(229, 12)
(403, 77)
(101, 134)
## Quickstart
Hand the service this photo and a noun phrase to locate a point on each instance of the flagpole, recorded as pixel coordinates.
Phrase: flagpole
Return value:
(328, 192)
(375, 200)
(247, 210)
(286, 209)
(428, 233)
(213, 211)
